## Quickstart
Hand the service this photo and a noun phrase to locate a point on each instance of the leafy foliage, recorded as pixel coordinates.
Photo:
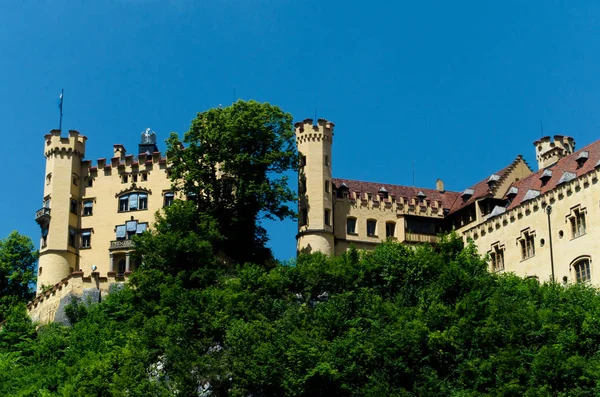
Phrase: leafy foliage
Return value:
(18, 260)
(397, 320)
(233, 167)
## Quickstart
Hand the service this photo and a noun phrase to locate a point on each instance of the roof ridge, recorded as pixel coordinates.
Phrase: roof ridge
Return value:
(395, 184)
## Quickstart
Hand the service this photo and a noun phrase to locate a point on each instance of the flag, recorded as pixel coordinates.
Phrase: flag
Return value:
(60, 102)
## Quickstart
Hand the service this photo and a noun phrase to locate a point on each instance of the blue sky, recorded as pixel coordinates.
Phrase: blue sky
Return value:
(459, 89)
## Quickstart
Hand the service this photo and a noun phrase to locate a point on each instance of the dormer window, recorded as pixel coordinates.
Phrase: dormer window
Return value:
(342, 191)
(545, 177)
(511, 194)
(530, 195)
(493, 180)
(467, 194)
(566, 177)
(383, 193)
(582, 158)
(421, 196)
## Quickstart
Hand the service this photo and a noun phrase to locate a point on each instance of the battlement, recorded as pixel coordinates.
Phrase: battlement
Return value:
(74, 143)
(306, 131)
(126, 163)
(551, 149)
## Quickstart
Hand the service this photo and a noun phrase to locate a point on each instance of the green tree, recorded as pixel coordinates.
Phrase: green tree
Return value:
(233, 167)
(18, 260)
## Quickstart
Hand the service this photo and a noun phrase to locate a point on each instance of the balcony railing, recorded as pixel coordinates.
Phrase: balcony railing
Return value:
(421, 238)
(121, 244)
(42, 216)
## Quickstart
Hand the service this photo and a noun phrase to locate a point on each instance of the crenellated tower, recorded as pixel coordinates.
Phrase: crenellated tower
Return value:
(59, 217)
(315, 191)
(551, 149)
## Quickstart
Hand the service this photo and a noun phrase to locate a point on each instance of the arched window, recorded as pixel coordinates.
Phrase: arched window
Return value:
(582, 270)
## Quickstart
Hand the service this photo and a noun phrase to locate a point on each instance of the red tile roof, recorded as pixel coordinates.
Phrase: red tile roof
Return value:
(566, 164)
(447, 198)
(480, 189)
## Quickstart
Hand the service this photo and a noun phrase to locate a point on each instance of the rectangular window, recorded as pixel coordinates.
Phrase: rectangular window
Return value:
(75, 179)
(90, 181)
(303, 217)
(124, 178)
(327, 217)
(120, 232)
(134, 176)
(44, 238)
(144, 177)
(73, 206)
(326, 186)
(87, 207)
(131, 229)
(302, 161)
(351, 225)
(168, 199)
(578, 223)
(86, 239)
(527, 245)
(48, 178)
(497, 258)
(326, 160)
(390, 229)
(72, 234)
(192, 197)
(124, 203)
(371, 227)
(47, 202)
(143, 201)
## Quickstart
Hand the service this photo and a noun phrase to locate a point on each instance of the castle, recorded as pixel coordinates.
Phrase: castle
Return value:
(535, 224)
(539, 224)
(90, 213)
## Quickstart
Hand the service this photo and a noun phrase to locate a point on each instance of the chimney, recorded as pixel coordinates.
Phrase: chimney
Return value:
(119, 151)
(549, 150)
(439, 185)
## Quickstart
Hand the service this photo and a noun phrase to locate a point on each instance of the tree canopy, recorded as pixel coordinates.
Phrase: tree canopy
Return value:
(394, 321)
(399, 320)
(18, 262)
(232, 162)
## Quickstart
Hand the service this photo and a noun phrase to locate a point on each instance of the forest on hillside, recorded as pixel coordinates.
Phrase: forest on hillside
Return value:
(211, 313)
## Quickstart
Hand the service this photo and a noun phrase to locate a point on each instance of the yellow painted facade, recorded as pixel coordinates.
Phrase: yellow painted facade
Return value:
(90, 213)
(505, 214)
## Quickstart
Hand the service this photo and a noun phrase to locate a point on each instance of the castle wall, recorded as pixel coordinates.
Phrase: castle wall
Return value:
(71, 184)
(506, 229)
(50, 305)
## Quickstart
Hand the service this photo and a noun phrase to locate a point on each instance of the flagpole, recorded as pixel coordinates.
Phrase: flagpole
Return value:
(62, 92)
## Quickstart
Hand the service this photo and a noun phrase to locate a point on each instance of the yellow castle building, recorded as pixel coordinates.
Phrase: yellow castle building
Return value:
(533, 223)
(530, 223)
(90, 213)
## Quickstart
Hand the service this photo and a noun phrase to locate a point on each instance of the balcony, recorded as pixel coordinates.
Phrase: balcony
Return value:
(421, 238)
(42, 217)
(121, 245)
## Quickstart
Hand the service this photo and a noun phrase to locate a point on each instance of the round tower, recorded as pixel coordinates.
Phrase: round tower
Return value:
(59, 217)
(315, 203)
